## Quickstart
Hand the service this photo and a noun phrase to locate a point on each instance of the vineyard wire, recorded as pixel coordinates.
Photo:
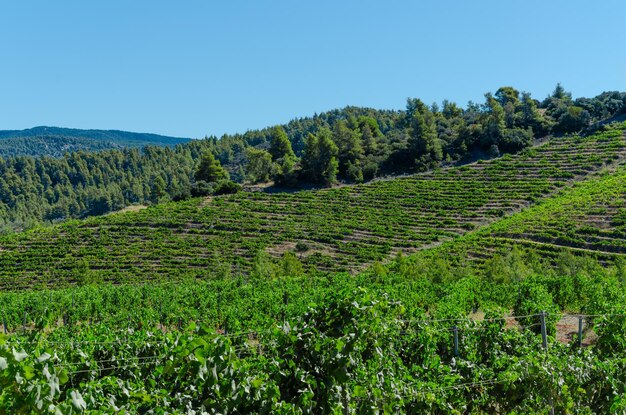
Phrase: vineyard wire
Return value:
(258, 332)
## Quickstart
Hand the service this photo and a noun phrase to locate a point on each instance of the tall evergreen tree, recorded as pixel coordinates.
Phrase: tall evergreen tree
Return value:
(424, 142)
(210, 170)
(349, 151)
(495, 124)
(531, 117)
(319, 162)
(280, 146)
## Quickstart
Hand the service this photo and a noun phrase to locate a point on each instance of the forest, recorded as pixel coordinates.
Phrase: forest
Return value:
(351, 145)
(55, 141)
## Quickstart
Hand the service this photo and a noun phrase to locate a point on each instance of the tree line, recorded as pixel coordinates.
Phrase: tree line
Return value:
(352, 145)
(361, 145)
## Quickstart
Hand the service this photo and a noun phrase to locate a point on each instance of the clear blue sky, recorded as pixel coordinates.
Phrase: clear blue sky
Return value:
(195, 68)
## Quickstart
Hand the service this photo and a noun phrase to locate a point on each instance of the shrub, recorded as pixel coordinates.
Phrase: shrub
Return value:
(202, 188)
(302, 247)
(225, 187)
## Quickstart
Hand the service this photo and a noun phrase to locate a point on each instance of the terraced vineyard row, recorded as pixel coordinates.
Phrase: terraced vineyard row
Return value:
(587, 219)
(335, 229)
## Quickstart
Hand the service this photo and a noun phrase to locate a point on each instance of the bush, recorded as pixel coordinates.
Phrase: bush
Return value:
(611, 340)
(225, 187)
(302, 247)
(494, 151)
(515, 140)
(202, 188)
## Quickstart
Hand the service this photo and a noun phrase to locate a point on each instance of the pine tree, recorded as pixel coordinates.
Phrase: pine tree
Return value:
(350, 151)
(495, 124)
(210, 170)
(280, 146)
(319, 162)
(424, 142)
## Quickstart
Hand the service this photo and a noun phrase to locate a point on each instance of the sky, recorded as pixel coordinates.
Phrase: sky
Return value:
(199, 68)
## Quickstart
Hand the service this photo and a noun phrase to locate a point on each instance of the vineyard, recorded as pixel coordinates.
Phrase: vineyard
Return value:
(586, 219)
(319, 344)
(512, 300)
(359, 208)
(341, 229)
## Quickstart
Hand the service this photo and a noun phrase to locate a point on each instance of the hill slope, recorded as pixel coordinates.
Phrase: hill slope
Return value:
(588, 218)
(55, 141)
(334, 229)
(350, 145)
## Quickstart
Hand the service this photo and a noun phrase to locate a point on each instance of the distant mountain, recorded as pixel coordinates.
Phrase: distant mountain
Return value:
(55, 141)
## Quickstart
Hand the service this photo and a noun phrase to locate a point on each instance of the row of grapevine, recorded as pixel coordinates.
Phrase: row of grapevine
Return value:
(352, 353)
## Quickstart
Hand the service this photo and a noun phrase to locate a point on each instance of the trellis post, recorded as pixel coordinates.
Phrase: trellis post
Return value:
(544, 339)
(455, 331)
(544, 333)
(580, 331)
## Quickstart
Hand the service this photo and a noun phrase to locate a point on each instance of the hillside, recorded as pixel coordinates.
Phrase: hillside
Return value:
(587, 219)
(419, 335)
(222, 305)
(391, 208)
(334, 229)
(347, 146)
(55, 141)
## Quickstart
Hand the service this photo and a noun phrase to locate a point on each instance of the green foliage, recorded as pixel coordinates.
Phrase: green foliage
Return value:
(263, 267)
(424, 144)
(351, 226)
(532, 299)
(370, 143)
(509, 268)
(325, 359)
(226, 187)
(573, 119)
(349, 150)
(210, 170)
(290, 265)
(531, 117)
(158, 192)
(300, 345)
(55, 142)
(202, 188)
(611, 335)
(259, 166)
(286, 173)
(319, 162)
(280, 146)
(240, 329)
(302, 247)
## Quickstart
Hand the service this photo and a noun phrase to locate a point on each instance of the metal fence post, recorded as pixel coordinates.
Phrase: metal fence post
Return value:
(580, 331)
(544, 333)
(455, 331)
